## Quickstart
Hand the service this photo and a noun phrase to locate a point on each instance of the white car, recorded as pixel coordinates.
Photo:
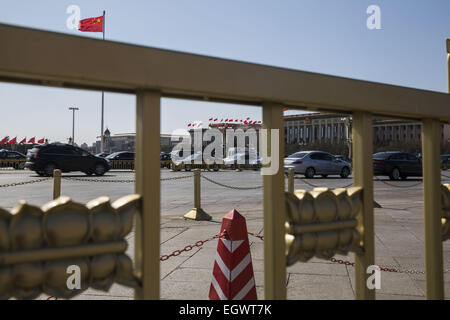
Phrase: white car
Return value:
(243, 159)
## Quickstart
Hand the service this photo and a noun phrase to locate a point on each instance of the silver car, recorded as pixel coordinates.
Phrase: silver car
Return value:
(311, 163)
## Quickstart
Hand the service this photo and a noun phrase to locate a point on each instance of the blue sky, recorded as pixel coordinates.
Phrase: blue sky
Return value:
(326, 36)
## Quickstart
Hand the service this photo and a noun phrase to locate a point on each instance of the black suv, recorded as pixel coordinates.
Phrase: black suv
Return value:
(44, 159)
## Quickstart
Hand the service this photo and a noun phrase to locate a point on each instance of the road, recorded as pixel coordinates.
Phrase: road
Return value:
(398, 228)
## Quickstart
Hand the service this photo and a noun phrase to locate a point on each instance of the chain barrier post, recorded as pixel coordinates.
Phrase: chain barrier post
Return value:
(197, 212)
(291, 174)
(56, 183)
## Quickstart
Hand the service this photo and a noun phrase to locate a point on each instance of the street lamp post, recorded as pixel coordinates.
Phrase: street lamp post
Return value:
(73, 123)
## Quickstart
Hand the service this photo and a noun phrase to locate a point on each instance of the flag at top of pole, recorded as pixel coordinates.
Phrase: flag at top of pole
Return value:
(91, 24)
(96, 24)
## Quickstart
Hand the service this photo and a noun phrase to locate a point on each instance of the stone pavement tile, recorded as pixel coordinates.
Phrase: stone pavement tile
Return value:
(185, 290)
(101, 297)
(116, 290)
(202, 274)
(319, 287)
(190, 274)
(167, 266)
(168, 249)
(385, 261)
(204, 258)
(179, 242)
(260, 292)
(177, 221)
(422, 285)
(257, 250)
(200, 233)
(258, 264)
(395, 283)
(168, 233)
(384, 296)
(318, 268)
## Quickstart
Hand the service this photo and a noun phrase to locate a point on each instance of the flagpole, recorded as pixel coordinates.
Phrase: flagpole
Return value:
(103, 94)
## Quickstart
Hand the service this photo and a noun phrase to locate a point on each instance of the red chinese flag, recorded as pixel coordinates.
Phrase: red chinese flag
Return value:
(41, 141)
(215, 119)
(12, 141)
(210, 119)
(31, 140)
(91, 24)
(189, 125)
(4, 140)
(24, 140)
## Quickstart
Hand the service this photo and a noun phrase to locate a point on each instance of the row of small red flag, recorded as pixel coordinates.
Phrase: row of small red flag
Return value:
(247, 121)
(24, 140)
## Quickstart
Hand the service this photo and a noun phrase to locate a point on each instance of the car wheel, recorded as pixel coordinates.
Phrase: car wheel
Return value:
(187, 168)
(48, 169)
(324, 175)
(403, 177)
(99, 169)
(310, 172)
(89, 173)
(216, 167)
(395, 174)
(345, 172)
(40, 173)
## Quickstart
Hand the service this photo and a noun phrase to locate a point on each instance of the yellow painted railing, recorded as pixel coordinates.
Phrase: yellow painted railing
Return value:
(12, 163)
(64, 233)
(122, 164)
(51, 59)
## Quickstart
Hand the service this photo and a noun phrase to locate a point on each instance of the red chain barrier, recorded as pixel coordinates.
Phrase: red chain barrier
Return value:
(199, 244)
(348, 263)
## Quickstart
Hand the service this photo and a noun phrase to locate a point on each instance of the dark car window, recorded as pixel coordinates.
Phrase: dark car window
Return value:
(397, 156)
(126, 156)
(57, 150)
(321, 156)
(2, 155)
(411, 157)
(298, 155)
(381, 156)
(71, 151)
(15, 155)
(316, 156)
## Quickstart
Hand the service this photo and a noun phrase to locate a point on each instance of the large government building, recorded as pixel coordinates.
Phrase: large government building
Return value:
(331, 127)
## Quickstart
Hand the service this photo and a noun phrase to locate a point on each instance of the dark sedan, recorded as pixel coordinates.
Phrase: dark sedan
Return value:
(396, 165)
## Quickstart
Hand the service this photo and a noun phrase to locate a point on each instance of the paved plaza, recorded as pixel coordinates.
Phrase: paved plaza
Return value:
(398, 226)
